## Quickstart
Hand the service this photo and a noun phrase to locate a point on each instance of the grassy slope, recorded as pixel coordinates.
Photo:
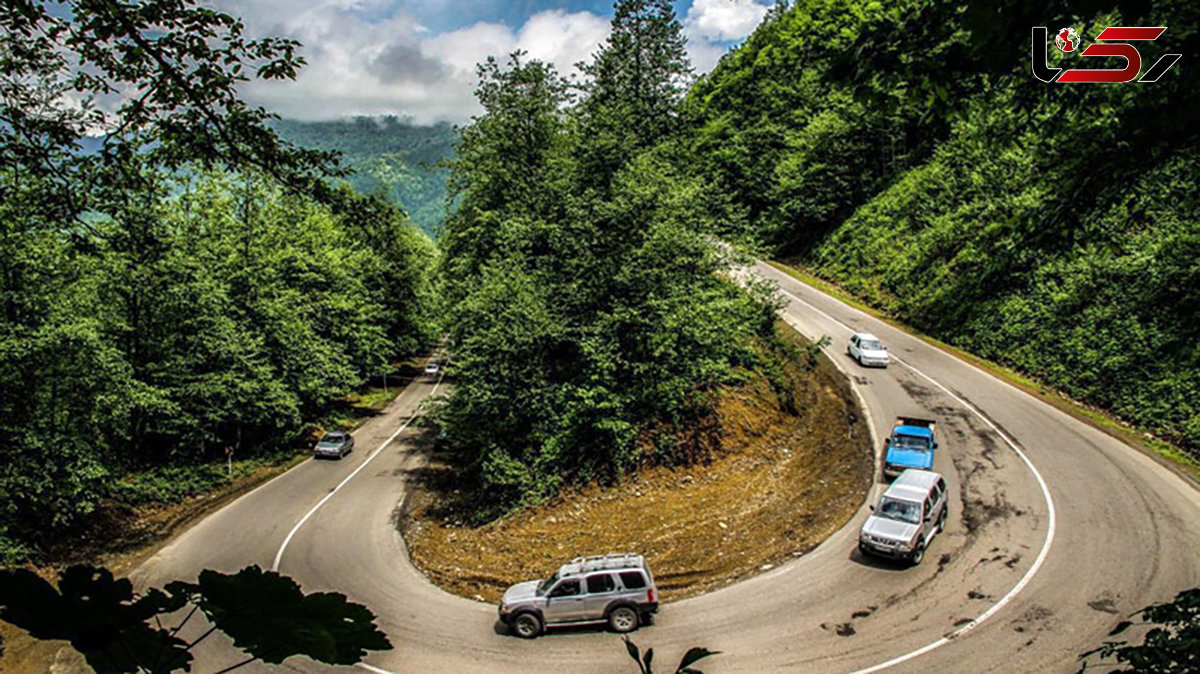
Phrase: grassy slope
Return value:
(1058, 237)
(1183, 461)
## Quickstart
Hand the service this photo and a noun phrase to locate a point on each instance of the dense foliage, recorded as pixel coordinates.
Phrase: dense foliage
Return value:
(906, 152)
(173, 286)
(592, 317)
(389, 157)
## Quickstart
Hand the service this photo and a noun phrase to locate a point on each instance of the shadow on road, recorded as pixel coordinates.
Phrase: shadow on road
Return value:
(873, 562)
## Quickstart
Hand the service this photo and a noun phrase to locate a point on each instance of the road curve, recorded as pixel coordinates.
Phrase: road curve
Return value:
(1057, 531)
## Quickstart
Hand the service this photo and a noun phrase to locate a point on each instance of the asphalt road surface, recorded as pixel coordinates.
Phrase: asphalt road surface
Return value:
(1056, 532)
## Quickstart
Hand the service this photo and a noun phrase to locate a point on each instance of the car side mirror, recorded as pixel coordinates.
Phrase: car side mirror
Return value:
(935, 444)
(872, 508)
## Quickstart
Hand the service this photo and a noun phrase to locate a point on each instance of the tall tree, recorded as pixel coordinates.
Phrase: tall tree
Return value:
(509, 163)
(635, 88)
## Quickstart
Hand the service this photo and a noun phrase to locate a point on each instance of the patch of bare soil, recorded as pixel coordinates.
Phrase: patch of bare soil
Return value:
(781, 483)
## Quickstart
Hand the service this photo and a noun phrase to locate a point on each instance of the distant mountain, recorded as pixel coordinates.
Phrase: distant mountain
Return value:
(389, 156)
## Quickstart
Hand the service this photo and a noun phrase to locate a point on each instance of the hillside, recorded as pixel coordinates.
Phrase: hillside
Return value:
(1052, 228)
(388, 156)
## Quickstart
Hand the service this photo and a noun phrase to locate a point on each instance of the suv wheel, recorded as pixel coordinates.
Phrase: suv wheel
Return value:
(918, 555)
(941, 525)
(623, 619)
(527, 625)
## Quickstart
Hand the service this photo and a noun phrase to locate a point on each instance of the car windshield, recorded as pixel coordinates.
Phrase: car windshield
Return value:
(332, 439)
(903, 511)
(545, 585)
(872, 345)
(910, 442)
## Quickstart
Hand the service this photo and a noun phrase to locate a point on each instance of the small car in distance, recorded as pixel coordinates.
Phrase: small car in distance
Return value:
(615, 589)
(910, 513)
(868, 350)
(432, 369)
(334, 444)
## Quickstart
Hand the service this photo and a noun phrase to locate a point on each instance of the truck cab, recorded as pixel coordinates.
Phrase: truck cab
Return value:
(910, 445)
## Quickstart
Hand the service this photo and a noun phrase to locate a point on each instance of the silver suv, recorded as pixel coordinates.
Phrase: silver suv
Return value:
(615, 589)
(910, 513)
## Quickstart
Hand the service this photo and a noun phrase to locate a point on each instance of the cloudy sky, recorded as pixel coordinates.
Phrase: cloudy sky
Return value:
(417, 57)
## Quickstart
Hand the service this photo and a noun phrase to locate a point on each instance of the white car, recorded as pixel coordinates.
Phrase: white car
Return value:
(868, 350)
(432, 369)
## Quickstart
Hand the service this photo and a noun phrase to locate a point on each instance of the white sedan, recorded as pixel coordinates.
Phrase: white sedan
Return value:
(432, 369)
(868, 350)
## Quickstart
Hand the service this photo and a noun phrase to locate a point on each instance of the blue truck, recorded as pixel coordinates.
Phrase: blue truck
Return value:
(910, 445)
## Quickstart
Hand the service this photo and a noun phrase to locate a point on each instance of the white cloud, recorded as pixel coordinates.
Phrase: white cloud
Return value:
(563, 39)
(395, 66)
(704, 54)
(366, 59)
(723, 20)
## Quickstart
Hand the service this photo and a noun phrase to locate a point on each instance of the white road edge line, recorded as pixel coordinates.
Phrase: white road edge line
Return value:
(372, 668)
(1037, 563)
(310, 513)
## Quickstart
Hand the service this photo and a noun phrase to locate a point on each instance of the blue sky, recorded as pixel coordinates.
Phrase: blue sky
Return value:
(416, 58)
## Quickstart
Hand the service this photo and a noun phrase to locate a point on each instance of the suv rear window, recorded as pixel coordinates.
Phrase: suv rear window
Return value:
(599, 583)
(633, 580)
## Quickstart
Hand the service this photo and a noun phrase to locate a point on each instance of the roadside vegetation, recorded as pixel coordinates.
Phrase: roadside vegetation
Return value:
(593, 318)
(787, 461)
(1050, 228)
(181, 286)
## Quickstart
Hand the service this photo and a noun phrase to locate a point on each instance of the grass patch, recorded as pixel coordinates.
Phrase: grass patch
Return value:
(170, 485)
(1120, 429)
(355, 409)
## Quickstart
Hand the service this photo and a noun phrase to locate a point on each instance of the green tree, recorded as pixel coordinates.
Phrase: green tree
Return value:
(508, 163)
(964, 197)
(635, 85)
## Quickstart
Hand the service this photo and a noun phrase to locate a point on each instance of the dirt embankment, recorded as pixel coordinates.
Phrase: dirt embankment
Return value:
(781, 483)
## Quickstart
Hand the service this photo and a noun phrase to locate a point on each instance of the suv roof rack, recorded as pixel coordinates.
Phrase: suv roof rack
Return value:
(610, 561)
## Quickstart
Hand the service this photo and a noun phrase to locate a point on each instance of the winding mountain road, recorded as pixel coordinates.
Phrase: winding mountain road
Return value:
(1057, 531)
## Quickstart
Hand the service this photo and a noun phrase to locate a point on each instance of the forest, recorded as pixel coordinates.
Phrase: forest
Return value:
(387, 157)
(592, 317)
(1051, 228)
(204, 276)
(184, 283)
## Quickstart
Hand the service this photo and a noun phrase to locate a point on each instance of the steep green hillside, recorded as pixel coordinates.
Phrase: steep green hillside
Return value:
(908, 153)
(388, 156)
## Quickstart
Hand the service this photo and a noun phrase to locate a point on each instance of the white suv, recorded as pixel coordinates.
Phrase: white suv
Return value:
(615, 589)
(910, 513)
